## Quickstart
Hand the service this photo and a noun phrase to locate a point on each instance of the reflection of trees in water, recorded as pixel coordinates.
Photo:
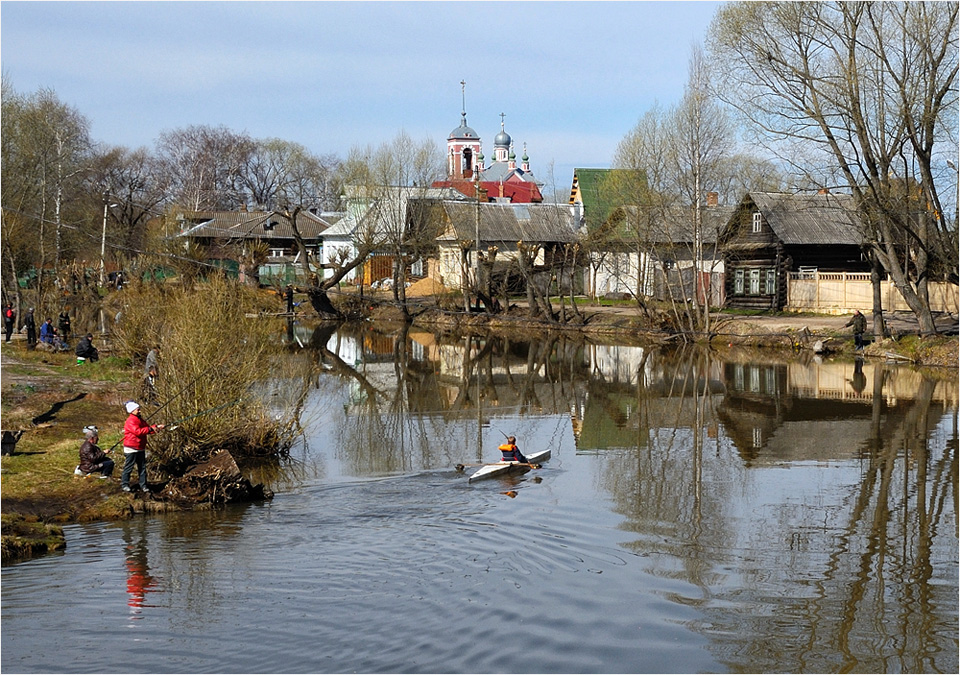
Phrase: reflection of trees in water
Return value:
(852, 579)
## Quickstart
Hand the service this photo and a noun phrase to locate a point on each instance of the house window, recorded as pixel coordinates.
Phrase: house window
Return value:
(738, 282)
(771, 282)
(277, 252)
(757, 221)
(754, 282)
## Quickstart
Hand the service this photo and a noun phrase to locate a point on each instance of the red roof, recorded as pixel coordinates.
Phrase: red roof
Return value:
(518, 192)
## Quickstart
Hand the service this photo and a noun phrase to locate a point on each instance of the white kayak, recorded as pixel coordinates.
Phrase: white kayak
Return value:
(502, 468)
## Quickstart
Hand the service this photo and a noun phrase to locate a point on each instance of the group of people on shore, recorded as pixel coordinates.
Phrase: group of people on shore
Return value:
(135, 432)
(55, 338)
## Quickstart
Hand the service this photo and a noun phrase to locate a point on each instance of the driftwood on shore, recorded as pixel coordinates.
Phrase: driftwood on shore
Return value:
(216, 481)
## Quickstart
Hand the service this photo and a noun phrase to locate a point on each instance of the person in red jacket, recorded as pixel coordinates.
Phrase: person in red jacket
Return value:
(509, 452)
(135, 432)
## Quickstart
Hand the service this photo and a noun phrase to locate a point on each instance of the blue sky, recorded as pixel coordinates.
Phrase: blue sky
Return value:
(572, 77)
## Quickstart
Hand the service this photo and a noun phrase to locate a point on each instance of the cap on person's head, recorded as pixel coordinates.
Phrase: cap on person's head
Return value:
(91, 431)
(90, 335)
(132, 406)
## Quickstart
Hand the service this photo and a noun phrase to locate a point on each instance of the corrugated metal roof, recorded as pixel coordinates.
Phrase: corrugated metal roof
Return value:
(542, 223)
(810, 219)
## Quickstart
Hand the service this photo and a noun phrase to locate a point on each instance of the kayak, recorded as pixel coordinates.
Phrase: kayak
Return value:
(503, 468)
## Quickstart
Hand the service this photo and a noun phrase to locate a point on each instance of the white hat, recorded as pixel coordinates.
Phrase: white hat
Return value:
(131, 406)
(91, 431)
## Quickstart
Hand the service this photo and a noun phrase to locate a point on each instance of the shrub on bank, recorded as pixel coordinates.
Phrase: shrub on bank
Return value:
(211, 355)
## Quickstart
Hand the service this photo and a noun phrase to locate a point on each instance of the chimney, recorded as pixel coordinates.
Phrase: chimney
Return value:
(243, 208)
(713, 198)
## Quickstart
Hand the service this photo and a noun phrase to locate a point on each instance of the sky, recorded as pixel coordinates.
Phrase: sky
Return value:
(572, 78)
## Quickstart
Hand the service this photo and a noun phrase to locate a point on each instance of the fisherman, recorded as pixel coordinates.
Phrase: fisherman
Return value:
(86, 350)
(92, 458)
(859, 323)
(510, 452)
(150, 373)
(135, 432)
(47, 331)
(63, 323)
(9, 320)
(31, 327)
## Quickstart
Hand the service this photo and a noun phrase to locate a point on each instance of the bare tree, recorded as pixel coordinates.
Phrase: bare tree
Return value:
(204, 166)
(873, 88)
(46, 148)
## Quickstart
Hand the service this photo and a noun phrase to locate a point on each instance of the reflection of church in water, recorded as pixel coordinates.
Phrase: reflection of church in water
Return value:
(503, 180)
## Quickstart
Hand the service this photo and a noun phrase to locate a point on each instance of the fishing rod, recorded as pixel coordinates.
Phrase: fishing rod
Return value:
(190, 384)
(173, 424)
(173, 398)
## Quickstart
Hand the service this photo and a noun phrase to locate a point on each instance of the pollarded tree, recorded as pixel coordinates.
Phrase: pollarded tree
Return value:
(873, 88)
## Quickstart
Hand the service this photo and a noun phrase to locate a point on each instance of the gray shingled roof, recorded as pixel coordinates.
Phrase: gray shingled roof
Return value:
(545, 223)
(675, 225)
(810, 219)
(253, 225)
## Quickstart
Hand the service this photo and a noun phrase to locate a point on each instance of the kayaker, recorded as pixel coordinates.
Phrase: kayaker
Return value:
(510, 452)
(135, 432)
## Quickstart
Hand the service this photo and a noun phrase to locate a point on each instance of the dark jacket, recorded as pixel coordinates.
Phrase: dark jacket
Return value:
(85, 348)
(859, 323)
(91, 456)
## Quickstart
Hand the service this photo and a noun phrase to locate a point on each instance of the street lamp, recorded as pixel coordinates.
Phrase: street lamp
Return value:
(103, 238)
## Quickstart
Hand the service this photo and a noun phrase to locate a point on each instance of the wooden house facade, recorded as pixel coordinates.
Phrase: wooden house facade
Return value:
(771, 235)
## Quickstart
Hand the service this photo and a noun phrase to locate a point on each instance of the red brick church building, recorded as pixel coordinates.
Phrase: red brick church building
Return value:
(501, 181)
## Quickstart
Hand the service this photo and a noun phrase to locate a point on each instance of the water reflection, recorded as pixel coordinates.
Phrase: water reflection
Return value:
(139, 580)
(811, 501)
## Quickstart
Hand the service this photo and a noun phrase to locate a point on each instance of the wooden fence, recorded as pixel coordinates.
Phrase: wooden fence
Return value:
(843, 292)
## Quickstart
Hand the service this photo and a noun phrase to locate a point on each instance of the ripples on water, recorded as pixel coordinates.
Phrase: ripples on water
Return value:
(758, 544)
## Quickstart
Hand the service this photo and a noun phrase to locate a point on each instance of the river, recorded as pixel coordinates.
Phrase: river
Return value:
(745, 513)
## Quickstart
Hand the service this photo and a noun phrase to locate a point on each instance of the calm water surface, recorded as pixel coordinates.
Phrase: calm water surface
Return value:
(697, 515)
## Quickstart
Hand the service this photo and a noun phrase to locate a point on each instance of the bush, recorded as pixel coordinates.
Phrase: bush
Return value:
(211, 355)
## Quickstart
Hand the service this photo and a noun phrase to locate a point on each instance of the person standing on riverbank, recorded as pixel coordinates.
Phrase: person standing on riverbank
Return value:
(63, 323)
(9, 320)
(859, 323)
(31, 327)
(135, 432)
(92, 458)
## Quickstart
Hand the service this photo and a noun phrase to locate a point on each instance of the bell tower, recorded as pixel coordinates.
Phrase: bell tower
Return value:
(463, 146)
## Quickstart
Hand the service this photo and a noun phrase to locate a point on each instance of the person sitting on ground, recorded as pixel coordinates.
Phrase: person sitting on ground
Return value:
(47, 331)
(92, 458)
(86, 350)
(510, 452)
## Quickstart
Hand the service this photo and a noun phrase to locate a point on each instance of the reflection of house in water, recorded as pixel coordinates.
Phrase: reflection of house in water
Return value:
(634, 391)
(782, 412)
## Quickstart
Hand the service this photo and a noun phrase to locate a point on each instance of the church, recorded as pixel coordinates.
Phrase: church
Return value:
(502, 182)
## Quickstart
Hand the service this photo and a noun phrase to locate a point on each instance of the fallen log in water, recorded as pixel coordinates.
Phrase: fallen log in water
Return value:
(216, 481)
